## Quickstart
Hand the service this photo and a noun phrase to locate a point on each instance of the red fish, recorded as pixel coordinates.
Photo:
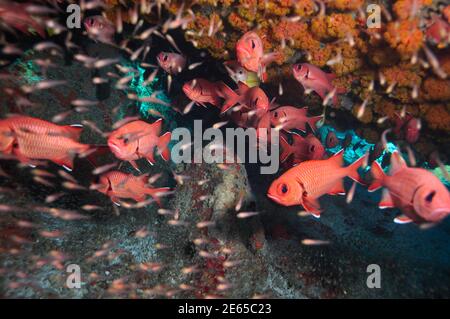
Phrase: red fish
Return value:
(172, 63)
(406, 127)
(331, 140)
(250, 54)
(100, 29)
(250, 98)
(313, 78)
(438, 32)
(16, 16)
(30, 139)
(139, 139)
(306, 182)
(202, 91)
(117, 185)
(418, 193)
(291, 117)
(302, 148)
(412, 130)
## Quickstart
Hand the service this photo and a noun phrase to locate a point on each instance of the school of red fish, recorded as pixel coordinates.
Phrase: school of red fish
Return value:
(309, 172)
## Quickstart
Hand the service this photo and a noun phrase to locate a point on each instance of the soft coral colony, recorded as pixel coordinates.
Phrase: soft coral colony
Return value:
(400, 55)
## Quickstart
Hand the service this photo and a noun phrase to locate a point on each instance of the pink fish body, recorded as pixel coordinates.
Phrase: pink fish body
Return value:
(306, 182)
(138, 139)
(118, 185)
(302, 148)
(202, 91)
(291, 117)
(313, 78)
(412, 130)
(249, 98)
(172, 63)
(418, 193)
(31, 138)
(16, 15)
(438, 32)
(250, 54)
(100, 29)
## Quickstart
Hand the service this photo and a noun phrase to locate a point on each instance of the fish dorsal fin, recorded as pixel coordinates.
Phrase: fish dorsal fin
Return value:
(297, 137)
(330, 76)
(74, 131)
(338, 158)
(397, 163)
(157, 125)
(242, 87)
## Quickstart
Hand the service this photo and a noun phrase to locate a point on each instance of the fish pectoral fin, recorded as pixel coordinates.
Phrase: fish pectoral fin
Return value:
(338, 188)
(402, 219)
(386, 200)
(135, 165)
(150, 158)
(312, 206)
(66, 162)
(115, 200)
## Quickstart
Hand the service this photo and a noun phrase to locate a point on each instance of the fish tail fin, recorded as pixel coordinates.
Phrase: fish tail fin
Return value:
(312, 121)
(163, 145)
(74, 131)
(378, 175)
(353, 169)
(286, 149)
(230, 97)
(156, 193)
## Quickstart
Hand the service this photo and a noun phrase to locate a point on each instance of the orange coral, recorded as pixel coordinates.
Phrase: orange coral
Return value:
(403, 8)
(345, 4)
(438, 117)
(436, 89)
(404, 36)
(336, 25)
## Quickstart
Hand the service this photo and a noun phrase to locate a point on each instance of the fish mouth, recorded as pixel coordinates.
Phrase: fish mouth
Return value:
(114, 148)
(274, 198)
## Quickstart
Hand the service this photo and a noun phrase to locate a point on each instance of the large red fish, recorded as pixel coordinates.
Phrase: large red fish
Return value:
(250, 98)
(291, 117)
(202, 91)
(250, 54)
(407, 127)
(117, 185)
(172, 63)
(139, 139)
(31, 139)
(100, 29)
(313, 78)
(302, 148)
(438, 32)
(306, 182)
(418, 193)
(16, 16)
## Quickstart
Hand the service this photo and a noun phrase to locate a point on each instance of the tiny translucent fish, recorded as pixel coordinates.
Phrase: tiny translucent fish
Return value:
(362, 108)
(411, 157)
(328, 97)
(53, 197)
(174, 222)
(247, 214)
(163, 211)
(231, 263)
(383, 119)
(303, 213)
(205, 224)
(314, 242)
(104, 168)
(351, 193)
(51, 234)
(61, 116)
(194, 65)
(172, 42)
(105, 62)
(415, 92)
(391, 87)
(188, 107)
(205, 254)
(43, 181)
(189, 270)
(66, 176)
(89, 207)
(382, 78)
(200, 241)
(81, 102)
(73, 186)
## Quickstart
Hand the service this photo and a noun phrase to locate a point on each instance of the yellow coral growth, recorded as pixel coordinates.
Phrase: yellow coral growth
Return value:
(345, 4)
(336, 25)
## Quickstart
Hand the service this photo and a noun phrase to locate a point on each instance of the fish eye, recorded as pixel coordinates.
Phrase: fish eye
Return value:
(165, 57)
(275, 114)
(240, 72)
(125, 140)
(253, 44)
(430, 196)
(256, 101)
(312, 148)
(283, 188)
(299, 67)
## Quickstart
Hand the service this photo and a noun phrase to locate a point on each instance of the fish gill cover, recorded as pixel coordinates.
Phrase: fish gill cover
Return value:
(94, 205)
